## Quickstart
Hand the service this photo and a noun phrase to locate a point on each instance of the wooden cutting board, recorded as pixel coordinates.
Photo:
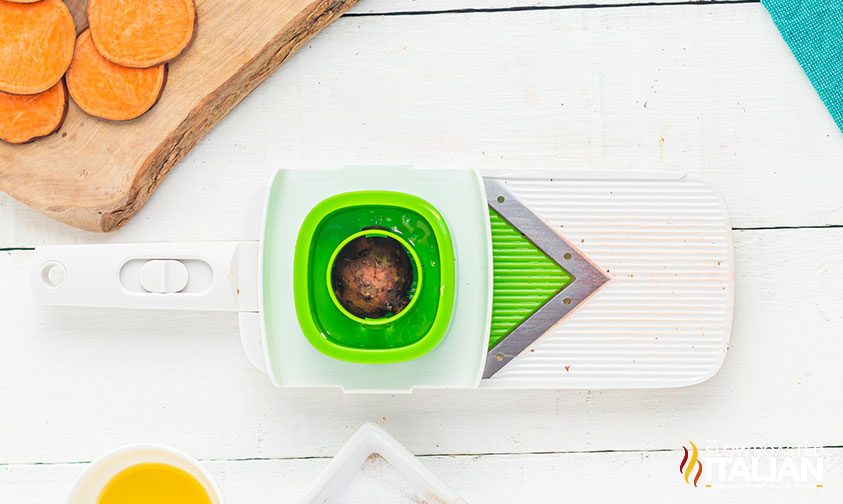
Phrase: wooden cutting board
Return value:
(96, 174)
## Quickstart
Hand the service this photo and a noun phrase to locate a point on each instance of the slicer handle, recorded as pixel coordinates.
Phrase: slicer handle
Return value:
(211, 276)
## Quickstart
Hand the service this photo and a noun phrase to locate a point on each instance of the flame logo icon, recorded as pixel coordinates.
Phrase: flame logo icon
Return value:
(687, 466)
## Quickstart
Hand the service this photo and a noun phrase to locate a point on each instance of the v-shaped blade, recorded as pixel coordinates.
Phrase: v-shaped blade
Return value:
(587, 278)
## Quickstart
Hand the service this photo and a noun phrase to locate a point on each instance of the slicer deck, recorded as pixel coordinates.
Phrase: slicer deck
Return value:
(664, 317)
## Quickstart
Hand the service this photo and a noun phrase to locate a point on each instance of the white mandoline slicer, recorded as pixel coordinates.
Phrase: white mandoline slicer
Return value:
(538, 280)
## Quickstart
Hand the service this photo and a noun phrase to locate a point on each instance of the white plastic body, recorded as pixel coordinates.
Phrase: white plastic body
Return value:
(347, 463)
(457, 361)
(220, 276)
(88, 486)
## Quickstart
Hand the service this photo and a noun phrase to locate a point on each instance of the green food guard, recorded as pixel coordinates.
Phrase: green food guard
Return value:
(421, 230)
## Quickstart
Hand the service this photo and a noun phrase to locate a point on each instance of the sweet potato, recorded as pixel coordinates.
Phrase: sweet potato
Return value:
(104, 89)
(24, 118)
(372, 277)
(141, 33)
(36, 45)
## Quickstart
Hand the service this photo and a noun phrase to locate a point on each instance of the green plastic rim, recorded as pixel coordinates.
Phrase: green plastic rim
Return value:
(418, 330)
(418, 277)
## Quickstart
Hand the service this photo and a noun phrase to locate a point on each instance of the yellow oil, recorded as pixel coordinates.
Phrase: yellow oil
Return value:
(153, 483)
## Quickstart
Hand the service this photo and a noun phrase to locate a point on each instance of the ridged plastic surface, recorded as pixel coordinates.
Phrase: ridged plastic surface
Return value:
(664, 319)
(525, 278)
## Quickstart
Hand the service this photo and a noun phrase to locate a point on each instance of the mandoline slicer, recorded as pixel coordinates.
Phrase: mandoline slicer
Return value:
(520, 280)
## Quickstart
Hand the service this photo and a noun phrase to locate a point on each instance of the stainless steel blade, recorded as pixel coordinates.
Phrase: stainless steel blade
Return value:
(587, 277)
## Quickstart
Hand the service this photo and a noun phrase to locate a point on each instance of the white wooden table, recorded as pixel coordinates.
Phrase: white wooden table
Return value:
(706, 89)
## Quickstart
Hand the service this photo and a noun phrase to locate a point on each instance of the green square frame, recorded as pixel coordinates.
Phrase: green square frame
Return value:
(302, 265)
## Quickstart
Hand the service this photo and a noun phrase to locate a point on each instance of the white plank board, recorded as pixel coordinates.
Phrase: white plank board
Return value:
(709, 90)
(636, 477)
(84, 380)
(435, 6)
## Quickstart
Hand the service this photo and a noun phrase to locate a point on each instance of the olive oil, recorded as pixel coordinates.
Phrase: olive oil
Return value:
(153, 483)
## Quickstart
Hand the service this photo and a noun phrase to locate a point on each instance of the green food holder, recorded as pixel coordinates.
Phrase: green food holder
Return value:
(421, 230)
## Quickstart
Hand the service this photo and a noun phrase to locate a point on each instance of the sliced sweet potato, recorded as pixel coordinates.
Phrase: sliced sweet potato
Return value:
(36, 45)
(141, 33)
(104, 89)
(24, 118)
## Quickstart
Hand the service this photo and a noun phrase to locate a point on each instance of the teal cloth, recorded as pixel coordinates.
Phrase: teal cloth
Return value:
(814, 31)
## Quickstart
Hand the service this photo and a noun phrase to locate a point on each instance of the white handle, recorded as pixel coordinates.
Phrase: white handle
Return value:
(218, 276)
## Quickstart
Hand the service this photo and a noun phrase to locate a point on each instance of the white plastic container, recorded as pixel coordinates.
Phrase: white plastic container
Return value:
(340, 482)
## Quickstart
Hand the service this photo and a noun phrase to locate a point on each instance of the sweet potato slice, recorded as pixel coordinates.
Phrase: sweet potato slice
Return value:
(36, 45)
(141, 33)
(24, 118)
(104, 89)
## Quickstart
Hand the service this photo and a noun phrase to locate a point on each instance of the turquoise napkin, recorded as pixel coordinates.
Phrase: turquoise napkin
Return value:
(814, 31)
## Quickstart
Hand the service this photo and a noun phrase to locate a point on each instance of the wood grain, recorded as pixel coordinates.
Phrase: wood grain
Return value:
(80, 15)
(96, 174)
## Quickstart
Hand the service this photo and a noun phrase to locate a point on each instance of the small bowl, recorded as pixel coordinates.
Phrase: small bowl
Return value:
(90, 484)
